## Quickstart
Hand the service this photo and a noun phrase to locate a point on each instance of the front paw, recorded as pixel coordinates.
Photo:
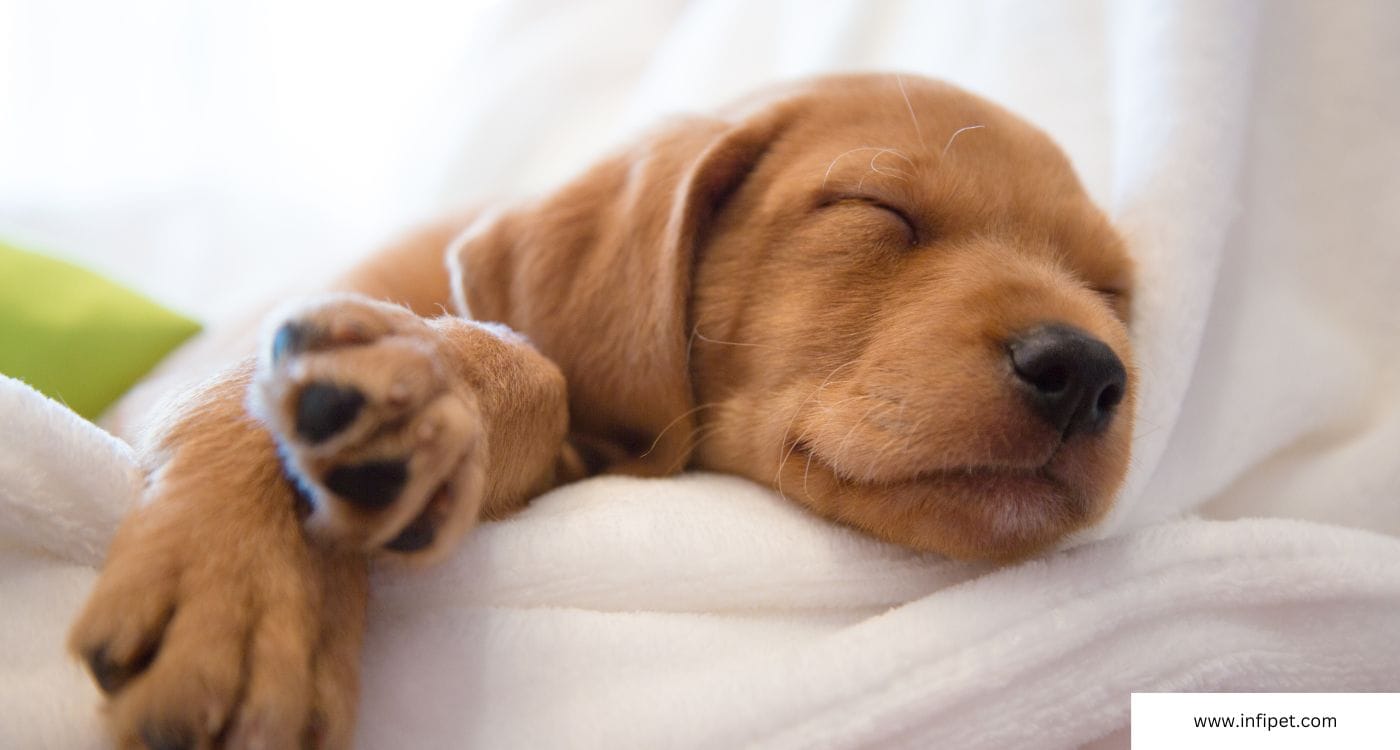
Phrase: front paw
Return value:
(384, 441)
(222, 627)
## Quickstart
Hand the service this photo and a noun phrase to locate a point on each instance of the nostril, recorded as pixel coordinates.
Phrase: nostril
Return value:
(1072, 379)
(1109, 398)
(1052, 379)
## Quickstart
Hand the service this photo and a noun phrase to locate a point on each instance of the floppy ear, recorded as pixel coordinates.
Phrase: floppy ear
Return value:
(598, 276)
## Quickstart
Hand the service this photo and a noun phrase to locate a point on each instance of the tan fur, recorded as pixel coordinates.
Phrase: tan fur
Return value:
(814, 292)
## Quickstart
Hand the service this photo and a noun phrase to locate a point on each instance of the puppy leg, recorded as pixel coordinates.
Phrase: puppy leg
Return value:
(216, 622)
(209, 622)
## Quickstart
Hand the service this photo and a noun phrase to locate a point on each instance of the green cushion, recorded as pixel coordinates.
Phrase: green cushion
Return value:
(76, 336)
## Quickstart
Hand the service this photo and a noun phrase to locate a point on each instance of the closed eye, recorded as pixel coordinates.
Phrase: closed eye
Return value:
(1118, 299)
(911, 231)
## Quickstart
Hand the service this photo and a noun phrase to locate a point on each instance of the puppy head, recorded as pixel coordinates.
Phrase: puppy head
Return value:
(885, 297)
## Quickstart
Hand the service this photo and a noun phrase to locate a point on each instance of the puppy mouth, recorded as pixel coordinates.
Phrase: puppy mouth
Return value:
(978, 511)
(1039, 471)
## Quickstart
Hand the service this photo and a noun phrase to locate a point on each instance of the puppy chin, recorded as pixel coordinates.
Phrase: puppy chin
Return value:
(968, 514)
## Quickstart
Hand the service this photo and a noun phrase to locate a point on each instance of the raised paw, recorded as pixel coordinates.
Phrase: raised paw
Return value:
(374, 425)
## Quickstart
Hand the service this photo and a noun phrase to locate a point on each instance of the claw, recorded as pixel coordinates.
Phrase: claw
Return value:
(110, 675)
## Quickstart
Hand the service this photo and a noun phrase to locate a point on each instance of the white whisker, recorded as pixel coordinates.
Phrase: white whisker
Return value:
(782, 443)
(955, 134)
(805, 490)
(827, 176)
(673, 423)
(838, 158)
(701, 435)
(696, 334)
(917, 130)
(841, 449)
(897, 172)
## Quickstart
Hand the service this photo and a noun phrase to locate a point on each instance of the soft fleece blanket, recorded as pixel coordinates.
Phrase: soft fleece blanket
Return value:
(1247, 150)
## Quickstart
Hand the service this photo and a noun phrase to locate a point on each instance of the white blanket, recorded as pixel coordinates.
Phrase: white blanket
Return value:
(1250, 155)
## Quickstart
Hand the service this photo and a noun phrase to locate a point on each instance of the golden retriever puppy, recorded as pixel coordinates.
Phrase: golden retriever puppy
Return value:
(886, 298)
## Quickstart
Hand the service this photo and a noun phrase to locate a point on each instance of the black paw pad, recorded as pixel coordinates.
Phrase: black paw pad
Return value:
(324, 409)
(372, 485)
(110, 675)
(417, 535)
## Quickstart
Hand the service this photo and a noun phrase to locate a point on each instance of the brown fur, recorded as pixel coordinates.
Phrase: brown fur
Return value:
(814, 292)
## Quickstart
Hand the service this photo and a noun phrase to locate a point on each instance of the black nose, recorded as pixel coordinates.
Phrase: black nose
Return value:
(1074, 380)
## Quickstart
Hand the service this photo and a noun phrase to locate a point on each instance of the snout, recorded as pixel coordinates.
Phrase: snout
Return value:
(1071, 379)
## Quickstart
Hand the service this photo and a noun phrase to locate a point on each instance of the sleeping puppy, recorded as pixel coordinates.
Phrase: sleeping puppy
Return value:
(884, 297)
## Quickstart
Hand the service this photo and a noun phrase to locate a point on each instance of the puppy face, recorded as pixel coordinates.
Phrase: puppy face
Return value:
(910, 318)
(886, 298)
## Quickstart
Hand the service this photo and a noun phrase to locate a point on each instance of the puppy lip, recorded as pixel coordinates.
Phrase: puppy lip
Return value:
(988, 512)
(987, 472)
(1042, 470)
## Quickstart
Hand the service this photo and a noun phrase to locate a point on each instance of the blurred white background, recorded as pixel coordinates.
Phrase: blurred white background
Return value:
(209, 152)
(198, 149)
